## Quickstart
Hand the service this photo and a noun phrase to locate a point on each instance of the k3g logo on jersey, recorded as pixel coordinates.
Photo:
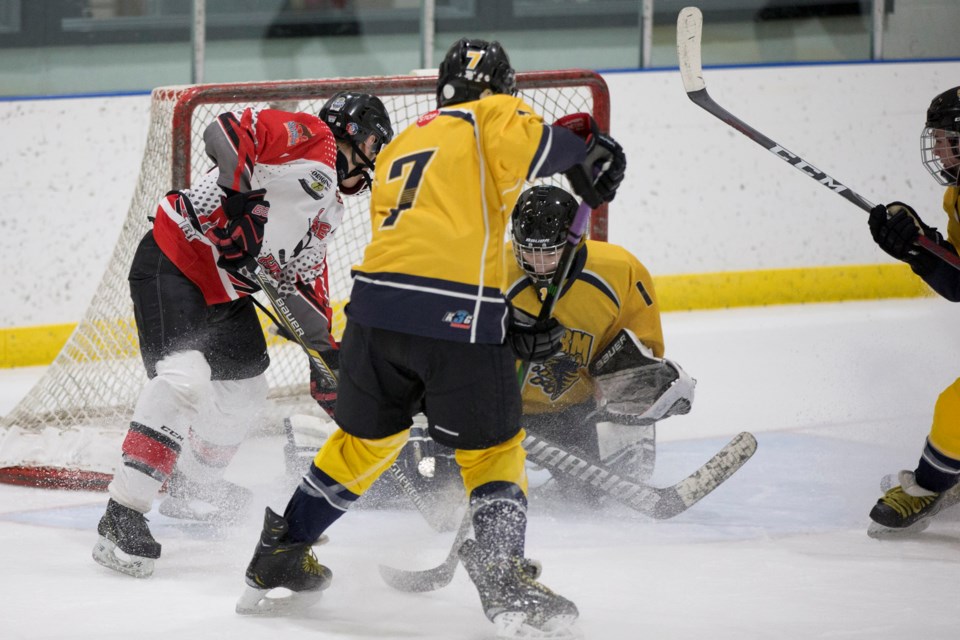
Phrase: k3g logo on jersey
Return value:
(561, 372)
(458, 319)
(318, 183)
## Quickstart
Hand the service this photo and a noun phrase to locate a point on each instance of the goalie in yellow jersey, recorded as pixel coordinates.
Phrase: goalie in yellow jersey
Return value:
(602, 394)
(429, 328)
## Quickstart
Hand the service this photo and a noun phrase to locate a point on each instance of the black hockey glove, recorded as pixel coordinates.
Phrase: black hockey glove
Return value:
(896, 227)
(242, 236)
(595, 180)
(535, 342)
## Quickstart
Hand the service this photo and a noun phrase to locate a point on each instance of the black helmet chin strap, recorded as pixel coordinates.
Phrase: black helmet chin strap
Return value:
(343, 166)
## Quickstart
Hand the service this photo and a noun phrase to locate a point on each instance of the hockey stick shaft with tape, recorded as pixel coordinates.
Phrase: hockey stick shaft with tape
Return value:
(578, 226)
(689, 35)
(289, 323)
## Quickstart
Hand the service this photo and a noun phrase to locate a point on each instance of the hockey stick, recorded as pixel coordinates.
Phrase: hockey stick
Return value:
(659, 503)
(578, 226)
(430, 579)
(689, 29)
(289, 323)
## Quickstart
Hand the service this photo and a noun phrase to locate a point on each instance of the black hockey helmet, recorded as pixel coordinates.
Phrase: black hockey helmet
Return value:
(354, 117)
(540, 222)
(471, 67)
(940, 141)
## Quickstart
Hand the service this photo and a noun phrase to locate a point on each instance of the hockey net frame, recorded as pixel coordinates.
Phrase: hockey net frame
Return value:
(66, 432)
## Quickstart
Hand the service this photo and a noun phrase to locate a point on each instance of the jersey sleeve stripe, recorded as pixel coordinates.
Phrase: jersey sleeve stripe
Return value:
(602, 285)
(543, 151)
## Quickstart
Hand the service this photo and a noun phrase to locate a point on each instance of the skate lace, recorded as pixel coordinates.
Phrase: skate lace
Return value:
(905, 504)
(311, 565)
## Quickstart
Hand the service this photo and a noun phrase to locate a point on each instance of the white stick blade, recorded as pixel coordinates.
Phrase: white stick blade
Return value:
(689, 28)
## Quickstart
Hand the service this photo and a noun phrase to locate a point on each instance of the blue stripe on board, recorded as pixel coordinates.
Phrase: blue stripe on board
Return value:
(106, 94)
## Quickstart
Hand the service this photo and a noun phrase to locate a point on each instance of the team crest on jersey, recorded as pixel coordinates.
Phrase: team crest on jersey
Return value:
(557, 375)
(297, 132)
(318, 183)
(458, 319)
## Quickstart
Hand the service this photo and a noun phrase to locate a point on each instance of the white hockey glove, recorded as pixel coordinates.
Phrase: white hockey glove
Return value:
(638, 388)
(305, 436)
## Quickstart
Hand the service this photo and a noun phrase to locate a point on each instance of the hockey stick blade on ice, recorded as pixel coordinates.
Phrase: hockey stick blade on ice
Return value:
(430, 579)
(689, 31)
(659, 503)
(652, 501)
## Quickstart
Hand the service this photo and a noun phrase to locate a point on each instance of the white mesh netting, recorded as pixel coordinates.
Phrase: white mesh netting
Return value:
(67, 430)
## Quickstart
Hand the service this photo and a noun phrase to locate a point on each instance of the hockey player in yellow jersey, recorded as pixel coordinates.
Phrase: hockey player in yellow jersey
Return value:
(923, 492)
(608, 302)
(429, 328)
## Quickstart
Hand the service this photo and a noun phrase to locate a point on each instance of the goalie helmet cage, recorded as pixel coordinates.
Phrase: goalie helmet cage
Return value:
(66, 432)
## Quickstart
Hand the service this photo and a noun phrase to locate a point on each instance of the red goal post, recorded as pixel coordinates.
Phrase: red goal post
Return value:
(66, 431)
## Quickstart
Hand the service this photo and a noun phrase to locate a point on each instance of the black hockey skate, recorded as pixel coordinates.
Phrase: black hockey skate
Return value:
(219, 501)
(125, 529)
(513, 599)
(276, 563)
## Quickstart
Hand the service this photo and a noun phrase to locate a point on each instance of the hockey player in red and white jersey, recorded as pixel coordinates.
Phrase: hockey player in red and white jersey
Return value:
(272, 201)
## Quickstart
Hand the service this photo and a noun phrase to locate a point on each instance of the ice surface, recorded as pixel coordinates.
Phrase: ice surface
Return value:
(838, 395)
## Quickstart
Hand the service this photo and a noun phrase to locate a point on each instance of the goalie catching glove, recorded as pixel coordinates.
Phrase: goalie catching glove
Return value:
(242, 237)
(635, 386)
(597, 178)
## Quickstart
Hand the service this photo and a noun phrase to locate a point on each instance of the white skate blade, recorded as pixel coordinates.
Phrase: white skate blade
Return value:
(262, 602)
(105, 554)
(880, 532)
(513, 624)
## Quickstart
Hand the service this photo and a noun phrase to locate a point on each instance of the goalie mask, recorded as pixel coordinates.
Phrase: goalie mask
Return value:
(540, 223)
(470, 68)
(940, 141)
(354, 117)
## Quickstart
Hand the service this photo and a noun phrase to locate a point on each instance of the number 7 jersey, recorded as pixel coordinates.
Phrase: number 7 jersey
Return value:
(442, 194)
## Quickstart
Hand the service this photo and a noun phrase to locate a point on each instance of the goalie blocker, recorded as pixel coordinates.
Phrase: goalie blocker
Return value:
(637, 388)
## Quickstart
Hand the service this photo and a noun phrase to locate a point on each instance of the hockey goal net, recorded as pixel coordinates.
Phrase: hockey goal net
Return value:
(67, 430)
